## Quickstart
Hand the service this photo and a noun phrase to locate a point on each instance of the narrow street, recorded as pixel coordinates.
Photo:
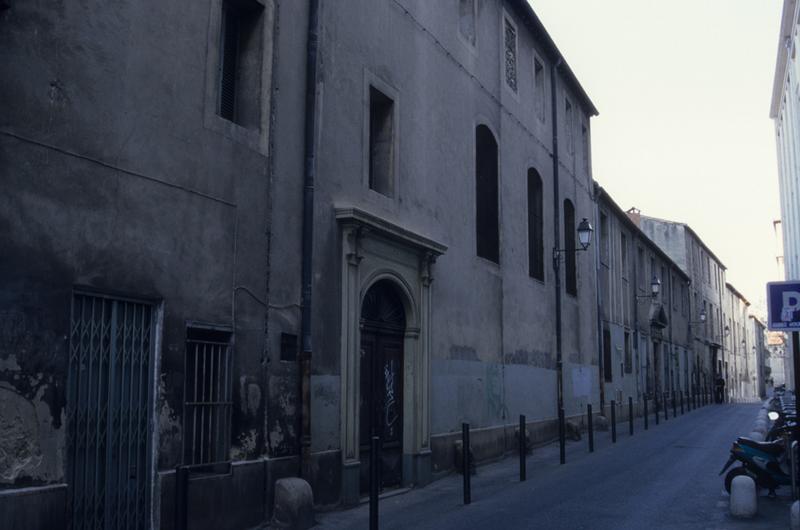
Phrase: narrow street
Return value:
(666, 477)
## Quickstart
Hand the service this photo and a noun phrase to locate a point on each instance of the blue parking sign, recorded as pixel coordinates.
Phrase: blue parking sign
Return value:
(783, 304)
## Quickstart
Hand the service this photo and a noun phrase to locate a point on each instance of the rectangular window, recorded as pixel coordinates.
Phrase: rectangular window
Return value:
(608, 370)
(240, 48)
(510, 38)
(538, 87)
(466, 20)
(585, 147)
(604, 238)
(568, 126)
(208, 394)
(535, 226)
(288, 347)
(684, 299)
(381, 142)
(640, 272)
(628, 354)
(672, 293)
(570, 244)
(624, 255)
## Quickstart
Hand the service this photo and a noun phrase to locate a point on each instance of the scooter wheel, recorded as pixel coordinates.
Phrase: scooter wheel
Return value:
(733, 473)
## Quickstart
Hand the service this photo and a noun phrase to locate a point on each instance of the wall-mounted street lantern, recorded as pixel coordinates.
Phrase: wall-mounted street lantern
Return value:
(702, 318)
(584, 239)
(655, 288)
(585, 233)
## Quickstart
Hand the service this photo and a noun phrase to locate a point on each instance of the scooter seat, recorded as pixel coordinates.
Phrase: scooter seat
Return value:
(772, 448)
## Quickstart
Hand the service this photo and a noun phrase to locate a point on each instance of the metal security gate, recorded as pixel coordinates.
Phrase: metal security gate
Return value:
(108, 413)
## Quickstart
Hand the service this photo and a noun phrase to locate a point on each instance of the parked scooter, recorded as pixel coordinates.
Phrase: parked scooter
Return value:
(764, 462)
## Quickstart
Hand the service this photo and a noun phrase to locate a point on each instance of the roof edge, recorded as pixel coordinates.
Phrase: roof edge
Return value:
(788, 16)
(541, 35)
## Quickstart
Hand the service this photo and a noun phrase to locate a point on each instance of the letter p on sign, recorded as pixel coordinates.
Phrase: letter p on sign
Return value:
(791, 304)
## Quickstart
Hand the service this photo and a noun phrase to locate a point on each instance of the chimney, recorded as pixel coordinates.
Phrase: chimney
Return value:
(635, 215)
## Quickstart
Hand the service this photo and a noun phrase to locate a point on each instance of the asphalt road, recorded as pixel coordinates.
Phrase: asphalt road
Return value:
(666, 477)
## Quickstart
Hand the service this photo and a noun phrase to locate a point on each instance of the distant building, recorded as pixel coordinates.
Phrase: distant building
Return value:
(740, 363)
(707, 274)
(645, 341)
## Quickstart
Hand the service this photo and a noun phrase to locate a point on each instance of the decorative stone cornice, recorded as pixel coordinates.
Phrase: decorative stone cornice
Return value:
(375, 224)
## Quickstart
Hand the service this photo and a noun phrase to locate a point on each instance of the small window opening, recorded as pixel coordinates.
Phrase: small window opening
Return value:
(208, 395)
(241, 39)
(466, 20)
(628, 354)
(568, 126)
(288, 347)
(570, 245)
(538, 86)
(381, 142)
(535, 226)
(608, 369)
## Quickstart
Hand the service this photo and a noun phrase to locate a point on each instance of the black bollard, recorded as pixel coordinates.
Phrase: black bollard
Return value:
(590, 427)
(374, 482)
(674, 406)
(646, 419)
(523, 448)
(613, 422)
(562, 439)
(630, 415)
(465, 463)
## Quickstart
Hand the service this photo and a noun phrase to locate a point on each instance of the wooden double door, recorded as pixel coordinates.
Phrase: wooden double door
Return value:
(381, 380)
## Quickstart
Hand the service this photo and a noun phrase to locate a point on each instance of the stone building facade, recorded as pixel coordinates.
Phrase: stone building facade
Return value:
(706, 292)
(135, 214)
(437, 208)
(644, 332)
(242, 237)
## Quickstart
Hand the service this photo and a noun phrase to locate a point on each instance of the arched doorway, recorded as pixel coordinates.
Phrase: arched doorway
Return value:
(383, 326)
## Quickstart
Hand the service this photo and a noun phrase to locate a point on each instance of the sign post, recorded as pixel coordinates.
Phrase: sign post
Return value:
(783, 304)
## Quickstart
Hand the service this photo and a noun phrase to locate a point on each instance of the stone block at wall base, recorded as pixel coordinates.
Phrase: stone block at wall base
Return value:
(294, 504)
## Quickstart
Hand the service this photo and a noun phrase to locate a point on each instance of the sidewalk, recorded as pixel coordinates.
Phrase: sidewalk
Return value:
(440, 503)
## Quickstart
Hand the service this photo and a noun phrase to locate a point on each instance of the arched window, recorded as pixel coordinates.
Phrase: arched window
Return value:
(535, 226)
(571, 280)
(487, 225)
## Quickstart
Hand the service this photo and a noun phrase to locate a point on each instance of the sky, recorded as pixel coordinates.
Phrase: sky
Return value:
(683, 88)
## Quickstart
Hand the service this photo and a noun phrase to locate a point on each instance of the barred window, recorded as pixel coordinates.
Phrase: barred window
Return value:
(208, 396)
(511, 55)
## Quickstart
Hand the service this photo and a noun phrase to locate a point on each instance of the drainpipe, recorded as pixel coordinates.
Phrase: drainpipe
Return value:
(671, 345)
(599, 300)
(304, 455)
(636, 338)
(557, 234)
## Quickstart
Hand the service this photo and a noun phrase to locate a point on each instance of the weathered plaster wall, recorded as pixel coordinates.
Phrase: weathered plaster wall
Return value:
(112, 177)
